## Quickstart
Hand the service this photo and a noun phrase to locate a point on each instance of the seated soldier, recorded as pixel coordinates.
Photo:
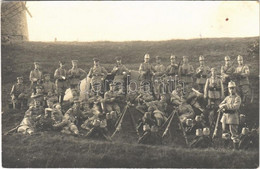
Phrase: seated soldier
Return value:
(63, 123)
(202, 139)
(28, 124)
(18, 94)
(249, 139)
(39, 96)
(48, 86)
(111, 101)
(185, 110)
(148, 128)
(144, 97)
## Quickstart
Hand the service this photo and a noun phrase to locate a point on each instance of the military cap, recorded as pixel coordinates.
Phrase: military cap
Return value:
(239, 57)
(36, 63)
(118, 58)
(227, 58)
(206, 131)
(201, 58)
(245, 131)
(47, 74)
(74, 61)
(172, 57)
(20, 78)
(198, 118)
(231, 84)
(157, 57)
(199, 132)
(95, 59)
(147, 56)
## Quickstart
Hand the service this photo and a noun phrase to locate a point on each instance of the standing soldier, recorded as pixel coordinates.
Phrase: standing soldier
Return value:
(226, 73)
(97, 74)
(120, 72)
(61, 84)
(75, 74)
(230, 119)
(18, 94)
(172, 73)
(146, 71)
(186, 72)
(159, 87)
(48, 86)
(214, 92)
(202, 73)
(35, 76)
(242, 73)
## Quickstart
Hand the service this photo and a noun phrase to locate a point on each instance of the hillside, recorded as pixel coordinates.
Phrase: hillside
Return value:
(57, 150)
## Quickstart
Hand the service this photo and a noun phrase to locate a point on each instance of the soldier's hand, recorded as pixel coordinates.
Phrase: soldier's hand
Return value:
(205, 96)
(34, 79)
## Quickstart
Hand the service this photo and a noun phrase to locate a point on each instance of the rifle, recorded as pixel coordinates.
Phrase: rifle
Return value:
(12, 130)
(169, 123)
(120, 120)
(216, 126)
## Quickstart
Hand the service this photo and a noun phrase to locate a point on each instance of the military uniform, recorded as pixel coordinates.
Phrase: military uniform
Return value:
(214, 92)
(119, 71)
(231, 105)
(185, 73)
(28, 124)
(159, 86)
(202, 73)
(185, 110)
(146, 71)
(35, 76)
(242, 72)
(18, 94)
(60, 76)
(48, 86)
(227, 74)
(75, 74)
(172, 74)
(110, 102)
(97, 74)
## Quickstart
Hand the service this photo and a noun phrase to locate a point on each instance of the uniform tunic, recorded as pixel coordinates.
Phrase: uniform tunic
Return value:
(48, 87)
(35, 74)
(146, 70)
(185, 72)
(97, 73)
(202, 73)
(226, 72)
(172, 70)
(118, 72)
(213, 88)
(18, 89)
(75, 74)
(243, 71)
(60, 83)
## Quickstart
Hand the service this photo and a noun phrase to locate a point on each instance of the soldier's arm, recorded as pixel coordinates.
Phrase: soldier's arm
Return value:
(104, 71)
(246, 71)
(57, 74)
(191, 70)
(90, 73)
(31, 76)
(223, 103)
(198, 71)
(125, 69)
(221, 90)
(235, 105)
(12, 90)
(83, 73)
(175, 100)
(141, 69)
(107, 97)
(114, 70)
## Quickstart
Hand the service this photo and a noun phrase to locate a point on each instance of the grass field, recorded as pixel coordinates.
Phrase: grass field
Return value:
(51, 149)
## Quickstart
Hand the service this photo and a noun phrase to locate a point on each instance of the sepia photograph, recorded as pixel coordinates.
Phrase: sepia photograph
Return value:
(130, 84)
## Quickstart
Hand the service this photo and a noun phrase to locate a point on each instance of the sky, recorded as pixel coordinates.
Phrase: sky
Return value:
(142, 20)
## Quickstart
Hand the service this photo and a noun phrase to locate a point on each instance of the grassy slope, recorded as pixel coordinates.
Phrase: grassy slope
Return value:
(31, 151)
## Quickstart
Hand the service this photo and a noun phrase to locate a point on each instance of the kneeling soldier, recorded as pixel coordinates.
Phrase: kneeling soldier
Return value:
(110, 100)
(230, 119)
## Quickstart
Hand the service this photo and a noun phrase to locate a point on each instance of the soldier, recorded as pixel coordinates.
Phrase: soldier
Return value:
(38, 96)
(202, 73)
(61, 81)
(214, 92)
(184, 108)
(249, 139)
(75, 115)
(242, 73)
(172, 73)
(226, 73)
(110, 100)
(75, 74)
(146, 71)
(18, 94)
(144, 97)
(186, 72)
(120, 72)
(97, 74)
(159, 86)
(230, 119)
(48, 86)
(35, 76)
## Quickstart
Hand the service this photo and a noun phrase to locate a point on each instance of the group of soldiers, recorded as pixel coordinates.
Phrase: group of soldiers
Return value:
(162, 89)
